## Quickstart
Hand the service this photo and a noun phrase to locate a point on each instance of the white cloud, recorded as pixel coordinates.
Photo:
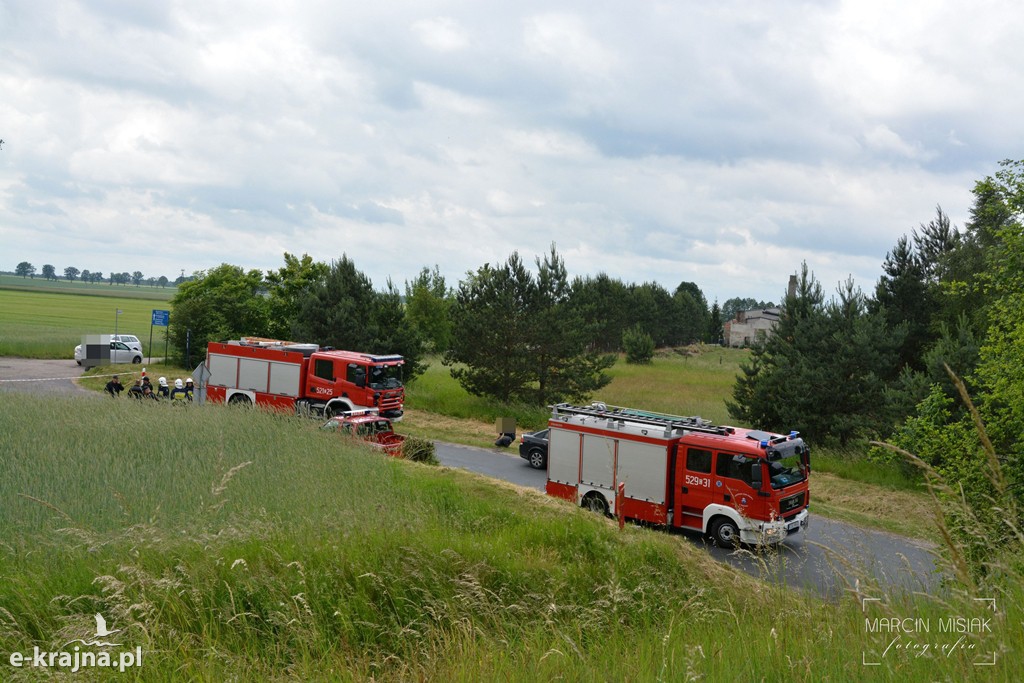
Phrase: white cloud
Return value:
(722, 143)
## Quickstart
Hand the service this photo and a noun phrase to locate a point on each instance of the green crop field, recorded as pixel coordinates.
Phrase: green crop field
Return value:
(243, 545)
(39, 323)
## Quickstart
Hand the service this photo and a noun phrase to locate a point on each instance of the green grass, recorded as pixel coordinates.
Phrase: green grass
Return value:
(43, 324)
(675, 382)
(62, 286)
(245, 545)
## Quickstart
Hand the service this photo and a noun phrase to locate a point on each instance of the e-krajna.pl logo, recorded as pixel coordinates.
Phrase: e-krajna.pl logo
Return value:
(76, 658)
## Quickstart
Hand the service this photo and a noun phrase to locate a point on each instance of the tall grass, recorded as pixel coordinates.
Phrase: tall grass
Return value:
(242, 545)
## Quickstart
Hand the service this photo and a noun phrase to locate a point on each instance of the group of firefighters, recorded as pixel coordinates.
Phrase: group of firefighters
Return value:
(143, 389)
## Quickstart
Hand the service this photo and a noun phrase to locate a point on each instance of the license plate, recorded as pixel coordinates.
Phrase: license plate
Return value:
(793, 526)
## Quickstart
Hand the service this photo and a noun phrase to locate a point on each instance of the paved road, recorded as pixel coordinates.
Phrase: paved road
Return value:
(831, 555)
(828, 559)
(42, 376)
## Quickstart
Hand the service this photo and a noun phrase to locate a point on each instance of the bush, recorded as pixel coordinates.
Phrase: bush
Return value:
(639, 345)
(419, 450)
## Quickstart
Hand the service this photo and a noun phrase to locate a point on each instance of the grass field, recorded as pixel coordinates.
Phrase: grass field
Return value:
(243, 545)
(49, 324)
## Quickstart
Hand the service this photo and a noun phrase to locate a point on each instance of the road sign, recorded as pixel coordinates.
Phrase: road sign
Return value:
(161, 318)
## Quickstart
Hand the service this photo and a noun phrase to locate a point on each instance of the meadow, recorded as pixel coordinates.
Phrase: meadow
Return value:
(235, 544)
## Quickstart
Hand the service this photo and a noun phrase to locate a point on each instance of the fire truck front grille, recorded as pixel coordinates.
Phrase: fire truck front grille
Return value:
(792, 503)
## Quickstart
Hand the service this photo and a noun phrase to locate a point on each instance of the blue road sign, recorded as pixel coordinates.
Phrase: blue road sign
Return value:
(161, 318)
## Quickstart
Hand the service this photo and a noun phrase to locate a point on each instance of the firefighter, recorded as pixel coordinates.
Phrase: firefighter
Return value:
(162, 390)
(178, 392)
(189, 389)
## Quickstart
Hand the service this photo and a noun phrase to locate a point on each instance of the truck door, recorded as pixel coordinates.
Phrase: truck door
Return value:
(737, 484)
(692, 486)
(320, 383)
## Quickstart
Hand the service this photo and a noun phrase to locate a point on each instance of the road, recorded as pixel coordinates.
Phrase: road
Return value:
(826, 560)
(36, 376)
(829, 558)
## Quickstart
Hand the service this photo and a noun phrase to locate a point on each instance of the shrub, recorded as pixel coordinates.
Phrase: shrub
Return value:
(419, 450)
(639, 345)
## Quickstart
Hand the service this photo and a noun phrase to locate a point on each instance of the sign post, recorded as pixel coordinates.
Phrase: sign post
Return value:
(160, 319)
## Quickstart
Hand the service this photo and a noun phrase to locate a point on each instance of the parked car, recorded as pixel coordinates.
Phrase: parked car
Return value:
(533, 447)
(129, 340)
(120, 352)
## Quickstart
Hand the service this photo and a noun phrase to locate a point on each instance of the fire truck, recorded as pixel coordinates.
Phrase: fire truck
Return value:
(736, 485)
(303, 377)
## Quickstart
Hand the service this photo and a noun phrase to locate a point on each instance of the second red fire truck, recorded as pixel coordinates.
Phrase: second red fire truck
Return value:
(304, 377)
(737, 485)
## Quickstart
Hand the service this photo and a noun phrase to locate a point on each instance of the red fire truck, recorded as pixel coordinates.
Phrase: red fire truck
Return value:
(737, 485)
(303, 377)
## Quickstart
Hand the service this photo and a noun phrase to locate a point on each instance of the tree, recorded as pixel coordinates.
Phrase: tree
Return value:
(693, 312)
(137, 277)
(162, 281)
(337, 310)
(563, 366)
(733, 306)
(657, 312)
(96, 276)
(427, 303)
(824, 370)
(903, 296)
(287, 286)
(517, 338)
(221, 304)
(716, 330)
(49, 272)
(605, 302)
(86, 276)
(71, 273)
(25, 269)
(490, 347)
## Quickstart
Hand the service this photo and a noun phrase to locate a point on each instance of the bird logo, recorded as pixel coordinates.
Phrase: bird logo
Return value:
(101, 627)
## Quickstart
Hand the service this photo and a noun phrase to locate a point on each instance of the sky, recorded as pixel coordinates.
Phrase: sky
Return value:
(722, 143)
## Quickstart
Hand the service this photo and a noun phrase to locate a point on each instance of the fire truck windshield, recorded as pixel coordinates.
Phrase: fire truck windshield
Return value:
(385, 376)
(786, 471)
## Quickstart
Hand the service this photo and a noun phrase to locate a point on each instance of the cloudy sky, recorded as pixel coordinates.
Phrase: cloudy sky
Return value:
(716, 142)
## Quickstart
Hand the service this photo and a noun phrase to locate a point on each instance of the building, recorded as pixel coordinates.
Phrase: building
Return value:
(749, 327)
(753, 326)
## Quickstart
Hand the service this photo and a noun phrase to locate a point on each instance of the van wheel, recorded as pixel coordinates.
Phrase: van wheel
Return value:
(595, 502)
(725, 533)
(137, 360)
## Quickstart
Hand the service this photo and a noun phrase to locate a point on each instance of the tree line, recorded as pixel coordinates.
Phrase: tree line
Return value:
(72, 273)
(507, 331)
(946, 319)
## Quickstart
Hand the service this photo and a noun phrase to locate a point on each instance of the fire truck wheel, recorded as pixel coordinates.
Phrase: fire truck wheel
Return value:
(240, 400)
(595, 502)
(725, 532)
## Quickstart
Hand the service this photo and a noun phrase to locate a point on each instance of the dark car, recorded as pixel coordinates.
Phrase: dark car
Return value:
(533, 447)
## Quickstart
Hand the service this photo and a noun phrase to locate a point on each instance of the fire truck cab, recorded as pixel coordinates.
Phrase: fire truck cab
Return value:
(736, 485)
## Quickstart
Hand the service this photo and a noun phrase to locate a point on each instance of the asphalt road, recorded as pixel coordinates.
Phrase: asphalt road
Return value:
(35, 376)
(830, 558)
